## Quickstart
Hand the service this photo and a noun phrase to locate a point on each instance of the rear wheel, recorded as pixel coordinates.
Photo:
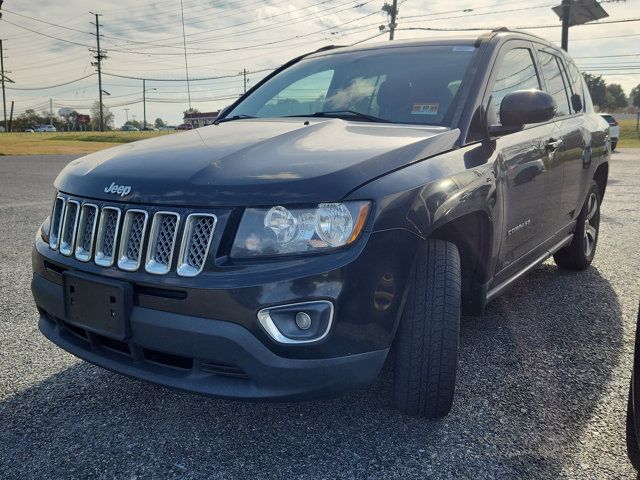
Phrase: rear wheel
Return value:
(426, 343)
(579, 254)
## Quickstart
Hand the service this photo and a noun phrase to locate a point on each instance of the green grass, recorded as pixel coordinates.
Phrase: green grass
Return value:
(629, 136)
(67, 142)
(109, 137)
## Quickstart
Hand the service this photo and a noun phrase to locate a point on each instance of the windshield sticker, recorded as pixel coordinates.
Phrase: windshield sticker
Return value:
(463, 49)
(425, 109)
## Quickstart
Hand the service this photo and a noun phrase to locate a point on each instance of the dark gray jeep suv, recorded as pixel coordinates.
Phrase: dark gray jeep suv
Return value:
(351, 203)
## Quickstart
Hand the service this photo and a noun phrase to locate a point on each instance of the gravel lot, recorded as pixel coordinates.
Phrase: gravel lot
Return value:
(541, 392)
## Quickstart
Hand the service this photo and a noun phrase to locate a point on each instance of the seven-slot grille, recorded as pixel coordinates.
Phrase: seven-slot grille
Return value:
(110, 235)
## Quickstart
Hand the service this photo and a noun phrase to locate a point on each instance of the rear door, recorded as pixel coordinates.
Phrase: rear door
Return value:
(527, 170)
(573, 153)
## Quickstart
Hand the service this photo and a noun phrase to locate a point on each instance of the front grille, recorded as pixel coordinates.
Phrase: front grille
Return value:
(86, 231)
(69, 225)
(131, 242)
(108, 233)
(198, 233)
(162, 242)
(107, 236)
(56, 222)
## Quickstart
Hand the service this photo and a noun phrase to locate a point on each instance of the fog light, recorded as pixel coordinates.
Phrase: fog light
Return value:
(303, 320)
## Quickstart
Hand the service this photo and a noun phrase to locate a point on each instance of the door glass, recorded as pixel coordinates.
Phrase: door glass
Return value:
(517, 72)
(555, 83)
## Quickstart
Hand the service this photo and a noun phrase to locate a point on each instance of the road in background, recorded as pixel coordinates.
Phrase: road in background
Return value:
(541, 391)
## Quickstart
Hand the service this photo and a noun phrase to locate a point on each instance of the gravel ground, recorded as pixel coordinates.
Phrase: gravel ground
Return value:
(541, 392)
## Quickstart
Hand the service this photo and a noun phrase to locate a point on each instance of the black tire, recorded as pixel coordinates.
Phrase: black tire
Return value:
(579, 254)
(426, 344)
(633, 450)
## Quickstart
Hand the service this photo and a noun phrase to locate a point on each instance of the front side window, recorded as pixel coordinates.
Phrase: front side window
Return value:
(517, 71)
(416, 85)
(555, 82)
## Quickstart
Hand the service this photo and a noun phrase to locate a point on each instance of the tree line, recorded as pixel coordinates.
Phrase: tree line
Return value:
(611, 97)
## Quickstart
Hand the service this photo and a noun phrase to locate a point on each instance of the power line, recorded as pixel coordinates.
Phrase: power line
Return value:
(186, 62)
(184, 80)
(52, 86)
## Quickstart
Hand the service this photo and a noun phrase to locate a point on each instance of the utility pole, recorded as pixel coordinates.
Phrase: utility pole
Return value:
(126, 112)
(11, 117)
(392, 24)
(566, 12)
(244, 75)
(50, 111)
(144, 103)
(99, 56)
(4, 100)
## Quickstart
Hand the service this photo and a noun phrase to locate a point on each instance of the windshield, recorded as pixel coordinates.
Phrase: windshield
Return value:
(416, 85)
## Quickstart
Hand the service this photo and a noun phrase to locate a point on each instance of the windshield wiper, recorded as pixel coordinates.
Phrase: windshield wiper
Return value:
(230, 119)
(346, 113)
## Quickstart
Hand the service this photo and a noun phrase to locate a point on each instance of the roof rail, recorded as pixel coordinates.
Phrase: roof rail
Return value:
(501, 29)
(327, 47)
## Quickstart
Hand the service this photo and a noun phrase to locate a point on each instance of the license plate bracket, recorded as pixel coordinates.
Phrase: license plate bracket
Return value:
(98, 304)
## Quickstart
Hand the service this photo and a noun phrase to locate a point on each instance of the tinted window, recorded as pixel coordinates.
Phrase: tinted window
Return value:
(517, 71)
(404, 85)
(555, 82)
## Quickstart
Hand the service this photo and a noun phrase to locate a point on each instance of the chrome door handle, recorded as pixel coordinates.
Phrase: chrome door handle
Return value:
(553, 144)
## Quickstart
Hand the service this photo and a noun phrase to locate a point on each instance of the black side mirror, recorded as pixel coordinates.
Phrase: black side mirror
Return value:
(523, 107)
(576, 102)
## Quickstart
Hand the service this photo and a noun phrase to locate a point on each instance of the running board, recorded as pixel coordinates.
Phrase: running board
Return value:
(495, 291)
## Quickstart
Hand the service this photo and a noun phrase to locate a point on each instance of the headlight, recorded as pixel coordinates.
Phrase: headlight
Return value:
(288, 231)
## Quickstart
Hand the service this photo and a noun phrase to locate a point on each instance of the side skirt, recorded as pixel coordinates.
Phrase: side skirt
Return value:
(498, 289)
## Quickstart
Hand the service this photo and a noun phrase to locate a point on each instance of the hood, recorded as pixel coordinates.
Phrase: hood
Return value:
(256, 162)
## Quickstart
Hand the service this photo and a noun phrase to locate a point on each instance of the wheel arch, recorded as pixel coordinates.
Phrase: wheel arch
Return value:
(472, 234)
(601, 176)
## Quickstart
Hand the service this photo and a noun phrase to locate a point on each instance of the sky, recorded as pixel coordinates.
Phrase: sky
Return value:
(47, 44)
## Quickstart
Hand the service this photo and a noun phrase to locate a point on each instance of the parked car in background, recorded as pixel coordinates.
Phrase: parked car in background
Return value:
(614, 128)
(354, 202)
(633, 405)
(129, 128)
(29, 130)
(149, 129)
(184, 126)
(168, 127)
(45, 128)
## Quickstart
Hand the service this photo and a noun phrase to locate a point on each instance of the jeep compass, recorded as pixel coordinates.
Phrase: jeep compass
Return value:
(352, 203)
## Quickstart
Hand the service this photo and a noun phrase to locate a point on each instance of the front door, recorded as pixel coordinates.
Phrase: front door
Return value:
(527, 165)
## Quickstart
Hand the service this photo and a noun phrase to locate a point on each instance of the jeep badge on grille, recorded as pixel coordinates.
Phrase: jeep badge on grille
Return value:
(122, 190)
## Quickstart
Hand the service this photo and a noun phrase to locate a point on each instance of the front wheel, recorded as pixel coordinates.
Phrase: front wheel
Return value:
(579, 254)
(633, 449)
(426, 343)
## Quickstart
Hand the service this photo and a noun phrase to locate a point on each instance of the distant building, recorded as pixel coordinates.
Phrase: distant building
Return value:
(200, 119)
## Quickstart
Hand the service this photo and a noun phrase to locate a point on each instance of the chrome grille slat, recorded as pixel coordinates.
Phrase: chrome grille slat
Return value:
(110, 236)
(86, 231)
(57, 215)
(162, 241)
(68, 229)
(107, 236)
(132, 239)
(196, 241)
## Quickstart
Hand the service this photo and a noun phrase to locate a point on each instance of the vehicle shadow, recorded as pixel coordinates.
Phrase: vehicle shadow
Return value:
(532, 370)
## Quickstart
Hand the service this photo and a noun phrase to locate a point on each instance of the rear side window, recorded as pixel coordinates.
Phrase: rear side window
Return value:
(517, 71)
(555, 82)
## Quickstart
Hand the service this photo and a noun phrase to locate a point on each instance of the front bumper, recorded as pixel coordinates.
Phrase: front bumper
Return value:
(202, 355)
